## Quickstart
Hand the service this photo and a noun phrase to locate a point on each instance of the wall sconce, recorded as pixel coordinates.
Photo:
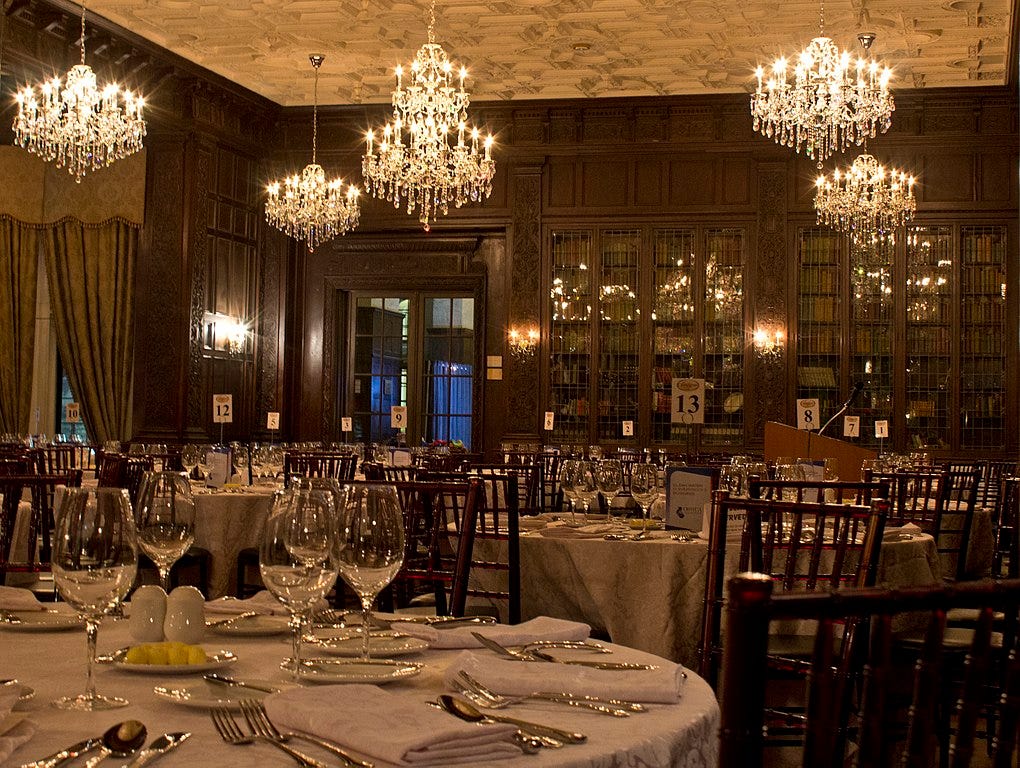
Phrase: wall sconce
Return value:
(769, 343)
(523, 341)
(225, 333)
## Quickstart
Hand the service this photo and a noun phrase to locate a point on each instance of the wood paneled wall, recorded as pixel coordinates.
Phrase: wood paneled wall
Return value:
(213, 146)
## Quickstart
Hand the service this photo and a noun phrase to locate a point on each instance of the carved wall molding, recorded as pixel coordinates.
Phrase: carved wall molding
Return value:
(198, 408)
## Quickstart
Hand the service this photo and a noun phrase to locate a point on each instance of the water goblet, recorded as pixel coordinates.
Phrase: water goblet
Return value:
(609, 478)
(644, 488)
(371, 544)
(299, 555)
(567, 478)
(585, 487)
(165, 519)
(191, 456)
(241, 457)
(95, 559)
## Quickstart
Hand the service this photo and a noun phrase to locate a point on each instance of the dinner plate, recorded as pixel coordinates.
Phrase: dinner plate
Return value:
(41, 621)
(254, 626)
(375, 671)
(205, 695)
(379, 644)
(216, 660)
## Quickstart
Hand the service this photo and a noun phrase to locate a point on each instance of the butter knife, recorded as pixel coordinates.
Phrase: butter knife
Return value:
(617, 665)
(159, 747)
(231, 619)
(232, 683)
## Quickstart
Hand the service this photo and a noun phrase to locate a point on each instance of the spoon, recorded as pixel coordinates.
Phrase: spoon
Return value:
(120, 740)
(465, 711)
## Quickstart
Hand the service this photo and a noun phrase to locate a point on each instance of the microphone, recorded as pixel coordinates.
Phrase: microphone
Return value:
(858, 388)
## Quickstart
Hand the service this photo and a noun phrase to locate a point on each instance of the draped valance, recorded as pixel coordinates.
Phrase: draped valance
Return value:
(38, 193)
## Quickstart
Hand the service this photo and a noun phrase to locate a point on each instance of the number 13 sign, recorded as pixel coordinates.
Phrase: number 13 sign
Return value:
(688, 401)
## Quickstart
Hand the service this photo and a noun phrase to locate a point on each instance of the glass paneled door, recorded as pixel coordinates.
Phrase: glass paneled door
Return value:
(416, 351)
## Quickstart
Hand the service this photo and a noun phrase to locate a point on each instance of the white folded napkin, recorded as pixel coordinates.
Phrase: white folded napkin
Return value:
(262, 603)
(17, 599)
(521, 678)
(459, 636)
(588, 531)
(398, 728)
(15, 730)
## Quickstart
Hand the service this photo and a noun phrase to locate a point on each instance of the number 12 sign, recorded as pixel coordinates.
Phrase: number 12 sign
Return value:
(688, 401)
(223, 409)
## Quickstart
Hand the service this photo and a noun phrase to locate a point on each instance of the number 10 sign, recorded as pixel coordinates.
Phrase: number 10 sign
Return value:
(688, 401)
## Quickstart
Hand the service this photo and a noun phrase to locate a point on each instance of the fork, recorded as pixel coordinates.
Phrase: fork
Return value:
(230, 732)
(613, 707)
(255, 714)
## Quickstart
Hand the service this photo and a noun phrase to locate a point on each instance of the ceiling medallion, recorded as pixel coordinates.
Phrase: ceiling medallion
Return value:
(415, 161)
(79, 126)
(311, 208)
(829, 104)
(865, 201)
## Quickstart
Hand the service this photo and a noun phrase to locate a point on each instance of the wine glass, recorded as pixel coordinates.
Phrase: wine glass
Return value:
(95, 559)
(239, 453)
(585, 487)
(609, 478)
(371, 544)
(567, 478)
(644, 488)
(165, 519)
(298, 555)
(203, 459)
(191, 456)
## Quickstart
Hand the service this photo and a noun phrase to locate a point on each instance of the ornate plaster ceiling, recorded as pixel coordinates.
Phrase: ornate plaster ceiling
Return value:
(539, 49)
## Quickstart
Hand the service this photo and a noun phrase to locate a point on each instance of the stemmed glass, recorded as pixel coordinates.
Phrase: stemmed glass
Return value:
(298, 555)
(609, 478)
(585, 487)
(191, 456)
(568, 478)
(95, 559)
(371, 544)
(644, 488)
(239, 453)
(165, 519)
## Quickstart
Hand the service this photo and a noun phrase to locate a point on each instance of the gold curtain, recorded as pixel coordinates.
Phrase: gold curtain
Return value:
(19, 259)
(91, 276)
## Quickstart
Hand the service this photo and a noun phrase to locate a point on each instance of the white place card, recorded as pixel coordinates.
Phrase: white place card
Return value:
(807, 414)
(628, 429)
(689, 496)
(550, 420)
(398, 416)
(851, 426)
(223, 409)
(273, 420)
(346, 424)
(688, 401)
(218, 461)
(72, 413)
(882, 428)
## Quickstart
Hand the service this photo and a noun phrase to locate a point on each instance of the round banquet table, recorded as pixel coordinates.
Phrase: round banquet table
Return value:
(650, 594)
(684, 734)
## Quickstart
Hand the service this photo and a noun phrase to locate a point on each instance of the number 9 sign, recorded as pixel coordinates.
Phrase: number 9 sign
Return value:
(688, 401)
(398, 416)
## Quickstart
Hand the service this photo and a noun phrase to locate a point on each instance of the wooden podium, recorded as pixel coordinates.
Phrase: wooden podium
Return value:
(784, 440)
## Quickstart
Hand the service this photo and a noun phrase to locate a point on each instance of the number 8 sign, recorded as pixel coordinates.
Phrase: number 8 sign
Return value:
(807, 414)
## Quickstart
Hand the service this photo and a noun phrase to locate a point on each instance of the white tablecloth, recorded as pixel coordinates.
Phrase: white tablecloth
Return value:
(225, 523)
(649, 594)
(684, 734)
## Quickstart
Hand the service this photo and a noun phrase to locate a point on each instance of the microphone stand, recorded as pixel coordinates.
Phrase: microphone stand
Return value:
(846, 406)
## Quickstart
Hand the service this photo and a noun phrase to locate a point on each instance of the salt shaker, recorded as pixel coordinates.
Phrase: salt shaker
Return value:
(148, 611)
(185, 616)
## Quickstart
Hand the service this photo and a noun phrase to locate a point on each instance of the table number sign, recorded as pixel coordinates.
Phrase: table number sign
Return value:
(346, 424)
(688, 402)
(628, 429)
(223, 409)
(807, 414)
(72, 413)
(689, 496)
(851, 426)
(550, 420)
(273, 420)
(398, 416)
(882, 428)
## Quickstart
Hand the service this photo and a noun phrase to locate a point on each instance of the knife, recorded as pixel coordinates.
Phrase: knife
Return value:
(66, 754)
(617, 665)
(232, 683)
(159, 747)
(231, 619)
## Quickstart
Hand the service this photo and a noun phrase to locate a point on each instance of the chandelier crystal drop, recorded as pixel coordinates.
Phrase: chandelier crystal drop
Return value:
(78, 125)
(308, 207)
(865, 201)
(429, 156)
(828, 104)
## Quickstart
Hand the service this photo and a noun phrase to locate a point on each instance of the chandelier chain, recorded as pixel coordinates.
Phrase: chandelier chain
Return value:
(81, 41)
(432, 23)
(821, 18)
(315, 112)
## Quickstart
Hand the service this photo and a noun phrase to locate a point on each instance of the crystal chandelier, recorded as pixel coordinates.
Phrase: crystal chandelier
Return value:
(78, 126)
(865, 201)
(415, 159)
(830, 102)
(310, 208)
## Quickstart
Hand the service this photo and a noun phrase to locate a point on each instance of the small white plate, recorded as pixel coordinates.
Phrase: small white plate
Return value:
(208, 695)
(217, 660)
(379, 644)
(42, 621)
(376, 671)
(255, 626)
